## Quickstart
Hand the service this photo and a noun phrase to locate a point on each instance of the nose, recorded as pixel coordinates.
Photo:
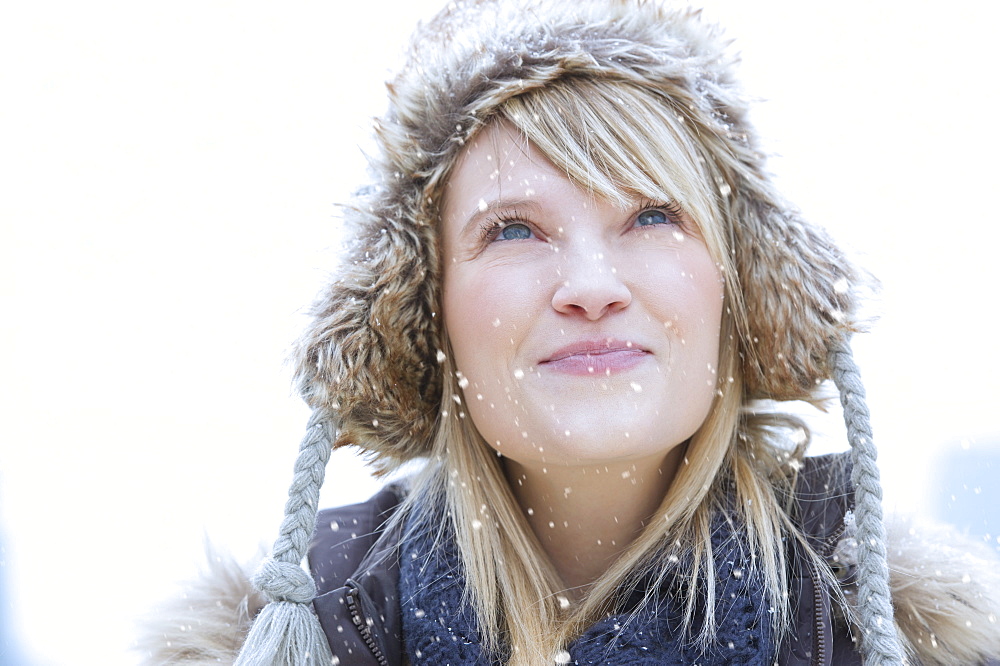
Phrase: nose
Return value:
(590, 286)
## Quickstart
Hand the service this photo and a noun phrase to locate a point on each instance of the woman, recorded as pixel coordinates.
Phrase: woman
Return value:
(571, 286)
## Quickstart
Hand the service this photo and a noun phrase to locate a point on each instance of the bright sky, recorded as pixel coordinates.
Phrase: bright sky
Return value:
(168, 175)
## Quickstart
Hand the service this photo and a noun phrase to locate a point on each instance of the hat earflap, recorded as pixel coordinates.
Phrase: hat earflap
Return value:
(800, 295)
(369, 354)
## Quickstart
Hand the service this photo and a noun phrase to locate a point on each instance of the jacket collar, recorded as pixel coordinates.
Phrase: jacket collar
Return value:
(354, 560)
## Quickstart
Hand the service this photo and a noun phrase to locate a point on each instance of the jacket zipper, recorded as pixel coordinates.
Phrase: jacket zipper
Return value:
(819, 644)
(363, 627)
(819, 641)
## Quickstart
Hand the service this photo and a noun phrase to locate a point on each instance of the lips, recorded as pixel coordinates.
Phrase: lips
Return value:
(596, 357)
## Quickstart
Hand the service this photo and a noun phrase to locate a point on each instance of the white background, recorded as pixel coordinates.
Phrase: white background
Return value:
(168, 180)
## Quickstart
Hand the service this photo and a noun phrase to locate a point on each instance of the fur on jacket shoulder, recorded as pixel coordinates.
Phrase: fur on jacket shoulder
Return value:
(946, 594)
(208, 622)
(945, 589)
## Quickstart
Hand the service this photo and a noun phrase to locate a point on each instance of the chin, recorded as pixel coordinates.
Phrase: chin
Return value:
(585, 446)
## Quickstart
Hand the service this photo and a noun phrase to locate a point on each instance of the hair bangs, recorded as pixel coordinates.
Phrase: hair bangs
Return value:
(615, 139)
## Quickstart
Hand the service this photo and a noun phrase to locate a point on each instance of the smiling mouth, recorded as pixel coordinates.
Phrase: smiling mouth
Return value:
(596, 359)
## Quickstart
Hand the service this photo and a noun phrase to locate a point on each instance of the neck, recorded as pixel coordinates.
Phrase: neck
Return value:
(586, 516)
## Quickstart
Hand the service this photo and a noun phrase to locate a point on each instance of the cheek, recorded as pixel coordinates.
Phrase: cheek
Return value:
(481, 315)
(488, 315)
(705, 300)
(690, 312)
(685, 291)
(705, 324)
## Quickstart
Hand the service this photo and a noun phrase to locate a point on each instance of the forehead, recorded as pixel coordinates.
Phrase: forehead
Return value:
(500, 166)
(499, 162)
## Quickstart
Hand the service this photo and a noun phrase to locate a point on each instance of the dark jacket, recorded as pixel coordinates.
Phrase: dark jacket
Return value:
(354, 561)
(944, 590)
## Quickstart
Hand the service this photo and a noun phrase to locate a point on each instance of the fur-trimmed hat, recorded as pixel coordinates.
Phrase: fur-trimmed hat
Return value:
(371, 353)
(370, 362)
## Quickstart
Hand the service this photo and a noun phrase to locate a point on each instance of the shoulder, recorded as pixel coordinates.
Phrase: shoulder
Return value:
(823, 497)
(354, 561)
(945, 590)
(208, 620)
(945, 586)
(345, 535)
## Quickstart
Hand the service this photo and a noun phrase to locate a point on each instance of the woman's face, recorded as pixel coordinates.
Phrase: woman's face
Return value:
(584, 333)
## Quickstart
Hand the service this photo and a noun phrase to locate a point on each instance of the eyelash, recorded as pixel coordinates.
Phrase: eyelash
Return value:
(673, 209)
(492, 226)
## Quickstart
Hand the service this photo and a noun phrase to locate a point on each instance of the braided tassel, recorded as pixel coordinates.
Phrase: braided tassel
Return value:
(880, 644)
(287, 631)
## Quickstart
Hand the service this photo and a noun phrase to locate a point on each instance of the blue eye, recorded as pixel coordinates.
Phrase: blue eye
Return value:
(651, 216)
(514, 231)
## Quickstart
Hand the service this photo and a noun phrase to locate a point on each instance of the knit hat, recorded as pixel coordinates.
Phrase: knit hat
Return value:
(369, 364)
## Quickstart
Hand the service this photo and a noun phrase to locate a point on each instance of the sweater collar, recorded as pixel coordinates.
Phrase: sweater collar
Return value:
(439, 627)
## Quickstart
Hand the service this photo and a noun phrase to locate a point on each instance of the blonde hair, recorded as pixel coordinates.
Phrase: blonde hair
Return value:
(621, 140)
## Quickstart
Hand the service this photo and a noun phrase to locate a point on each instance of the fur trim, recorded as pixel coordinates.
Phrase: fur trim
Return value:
(371, 355)
(208, 623)
(945, 594)
(944, 591)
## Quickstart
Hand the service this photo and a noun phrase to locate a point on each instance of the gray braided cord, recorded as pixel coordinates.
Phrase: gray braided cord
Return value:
(880, 644)
(299, 523)
(286, 632)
